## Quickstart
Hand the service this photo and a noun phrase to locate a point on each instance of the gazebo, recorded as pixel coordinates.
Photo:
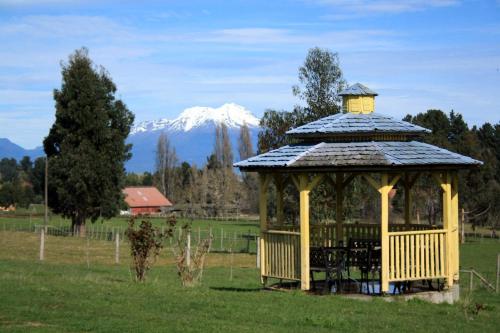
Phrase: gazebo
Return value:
(381, 150)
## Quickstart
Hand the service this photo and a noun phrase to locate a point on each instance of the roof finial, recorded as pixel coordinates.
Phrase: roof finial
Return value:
(358, 99)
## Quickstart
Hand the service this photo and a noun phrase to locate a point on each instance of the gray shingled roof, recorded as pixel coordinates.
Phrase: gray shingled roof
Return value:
(359, 90)
(357, 155)
(356, 124)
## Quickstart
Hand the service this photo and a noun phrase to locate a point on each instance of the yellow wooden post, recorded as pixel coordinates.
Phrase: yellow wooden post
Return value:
(384, 230)
(304, 232)
(384, 187)
(339, 193)
(407, 187)
(447, 225)
(454, 225)
(263, 184)
(278, 180)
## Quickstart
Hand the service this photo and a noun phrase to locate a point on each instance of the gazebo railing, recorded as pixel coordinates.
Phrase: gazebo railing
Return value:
(282, 254)
(326, 234)
(415, 255)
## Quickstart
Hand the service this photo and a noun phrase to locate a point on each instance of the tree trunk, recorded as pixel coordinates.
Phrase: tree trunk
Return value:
(78, 226)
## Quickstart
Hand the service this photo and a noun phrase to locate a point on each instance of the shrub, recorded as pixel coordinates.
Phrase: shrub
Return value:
(146, 243)
(190, 271)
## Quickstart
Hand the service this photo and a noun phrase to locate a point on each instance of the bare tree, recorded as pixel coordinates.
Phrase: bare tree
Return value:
(166, 160)
(245, 150)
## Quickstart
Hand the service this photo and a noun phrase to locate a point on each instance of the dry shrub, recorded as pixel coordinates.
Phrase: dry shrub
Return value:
(146, 243)
(190, 272)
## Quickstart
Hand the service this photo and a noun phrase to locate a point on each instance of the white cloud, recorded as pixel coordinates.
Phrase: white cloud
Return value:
(65, 26)
(347, 9)
(26, 3)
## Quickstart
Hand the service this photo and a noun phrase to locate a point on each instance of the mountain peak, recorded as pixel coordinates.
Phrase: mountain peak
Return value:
(230, 114)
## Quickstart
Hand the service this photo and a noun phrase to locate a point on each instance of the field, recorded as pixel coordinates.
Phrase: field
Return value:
(79, 288)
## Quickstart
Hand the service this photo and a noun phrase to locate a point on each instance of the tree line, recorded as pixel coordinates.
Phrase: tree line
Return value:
(21, 183)
(212, 189)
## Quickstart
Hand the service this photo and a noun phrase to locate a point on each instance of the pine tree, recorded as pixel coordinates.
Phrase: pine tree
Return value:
(86, 144)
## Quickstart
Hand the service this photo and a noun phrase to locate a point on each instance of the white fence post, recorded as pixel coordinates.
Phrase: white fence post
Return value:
(42, 244)
(221, 239)
(117, 248)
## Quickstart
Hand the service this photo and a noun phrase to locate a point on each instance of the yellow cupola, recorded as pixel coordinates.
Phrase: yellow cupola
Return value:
(358, 99)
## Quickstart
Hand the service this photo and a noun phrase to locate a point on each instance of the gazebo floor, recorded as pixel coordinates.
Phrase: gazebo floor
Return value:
(351, 290)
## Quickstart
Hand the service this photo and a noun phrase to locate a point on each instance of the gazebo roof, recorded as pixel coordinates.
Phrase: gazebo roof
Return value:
(359, 90)
(356, 124)
(357, 155)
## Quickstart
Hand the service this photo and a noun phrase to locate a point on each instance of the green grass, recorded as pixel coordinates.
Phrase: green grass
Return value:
(12, 221)
(231, 232)
(67, 293)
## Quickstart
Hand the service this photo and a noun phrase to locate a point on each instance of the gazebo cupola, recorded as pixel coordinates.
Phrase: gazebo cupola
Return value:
(358, 99)
(381, 150)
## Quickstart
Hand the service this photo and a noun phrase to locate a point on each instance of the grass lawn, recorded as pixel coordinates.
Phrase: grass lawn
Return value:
(13, 221)
(79, 288)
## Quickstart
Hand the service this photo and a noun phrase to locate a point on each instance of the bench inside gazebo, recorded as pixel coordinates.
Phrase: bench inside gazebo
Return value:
(383, 152)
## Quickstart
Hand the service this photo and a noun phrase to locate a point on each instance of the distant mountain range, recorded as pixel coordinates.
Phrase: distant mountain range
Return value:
(192, 134)
(11, 150)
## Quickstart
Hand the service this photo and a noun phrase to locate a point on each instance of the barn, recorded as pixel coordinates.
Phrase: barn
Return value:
(145, 200)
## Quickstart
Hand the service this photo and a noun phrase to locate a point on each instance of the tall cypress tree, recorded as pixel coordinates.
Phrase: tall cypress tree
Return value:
(86, 144)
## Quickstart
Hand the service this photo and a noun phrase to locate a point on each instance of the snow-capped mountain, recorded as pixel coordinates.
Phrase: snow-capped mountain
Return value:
(231, 114)
(192, 134)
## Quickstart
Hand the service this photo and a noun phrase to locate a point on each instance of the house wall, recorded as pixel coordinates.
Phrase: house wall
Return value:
(144, 210)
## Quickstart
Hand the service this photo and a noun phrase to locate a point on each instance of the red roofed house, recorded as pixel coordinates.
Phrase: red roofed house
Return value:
(145, 200)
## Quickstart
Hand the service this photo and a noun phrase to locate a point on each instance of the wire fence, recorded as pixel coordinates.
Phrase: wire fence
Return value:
(224, 240)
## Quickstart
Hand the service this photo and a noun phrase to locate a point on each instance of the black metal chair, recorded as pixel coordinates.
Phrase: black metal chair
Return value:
(375, 265)
(316, 263)
(331, 261)
(335, 263)
(359, 256)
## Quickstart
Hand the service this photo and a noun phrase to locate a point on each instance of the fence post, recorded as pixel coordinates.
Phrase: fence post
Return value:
(117, 248)
(232, 259)
(258, 252)
(188, 250)
(211, 239)
(42, 244)
(470, 282)
(498, 271)
(463, 227)
(221, 239)
(87, 252)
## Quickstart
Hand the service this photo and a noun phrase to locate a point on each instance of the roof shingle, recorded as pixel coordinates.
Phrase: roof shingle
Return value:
(356, 124)
(357, 154)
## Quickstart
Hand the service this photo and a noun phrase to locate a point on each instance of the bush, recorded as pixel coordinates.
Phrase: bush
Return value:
(146, 243)
(190, 271)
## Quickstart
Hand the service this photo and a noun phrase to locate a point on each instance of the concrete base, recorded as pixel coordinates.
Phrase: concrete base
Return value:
(449, 296)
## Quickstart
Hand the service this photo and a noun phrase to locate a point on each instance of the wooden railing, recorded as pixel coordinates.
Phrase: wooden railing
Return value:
(322, 235)
(282, 254)
(415, 255)
(326, 235)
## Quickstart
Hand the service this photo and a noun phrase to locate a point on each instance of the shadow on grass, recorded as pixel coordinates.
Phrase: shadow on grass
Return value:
(238, 290)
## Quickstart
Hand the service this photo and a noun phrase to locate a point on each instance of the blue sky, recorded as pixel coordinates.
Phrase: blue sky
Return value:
(165, 56)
